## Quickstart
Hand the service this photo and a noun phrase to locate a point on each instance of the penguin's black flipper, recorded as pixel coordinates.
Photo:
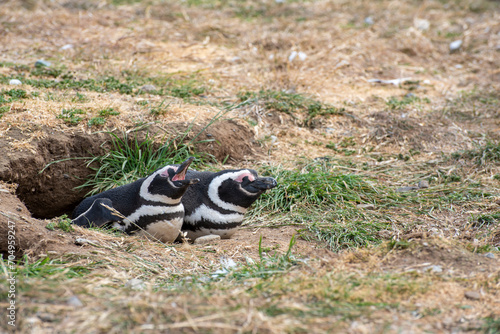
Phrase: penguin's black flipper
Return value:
(100, 212)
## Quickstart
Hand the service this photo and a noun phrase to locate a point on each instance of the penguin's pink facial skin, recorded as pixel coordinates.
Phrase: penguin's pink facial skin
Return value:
(251, 182)
(240, 177)
(169, 171)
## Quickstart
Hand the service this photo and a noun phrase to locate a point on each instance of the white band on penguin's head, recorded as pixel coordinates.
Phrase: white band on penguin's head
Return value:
(144, 191)
(213, 189)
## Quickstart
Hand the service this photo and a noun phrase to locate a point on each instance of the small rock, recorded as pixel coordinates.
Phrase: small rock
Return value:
(135, 284)
(366, 206)
(472, 295)
(67, 47)
(46, 317)
(41, 62)
(82, 241)
(74, 301)
(423, 184)
(33, 321)
(341, 64)
(406, 189)
(206, 239)
(15, 82)
(395, 82)
(490, 255)
(274, 139)
(455, 45)
(434, 269)
(292, 56)
(369, 20)
(302, 56)
(149, 88)
(421, 24)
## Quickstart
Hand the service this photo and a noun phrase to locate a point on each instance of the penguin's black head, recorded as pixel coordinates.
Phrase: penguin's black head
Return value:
(171, 180)
(242, 187)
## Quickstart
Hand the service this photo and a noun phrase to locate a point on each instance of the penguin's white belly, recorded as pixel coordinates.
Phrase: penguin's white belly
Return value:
(164, 230)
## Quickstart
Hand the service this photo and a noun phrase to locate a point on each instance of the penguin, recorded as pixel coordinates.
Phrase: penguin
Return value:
(218, 203)
(98, 214)
(150, 206)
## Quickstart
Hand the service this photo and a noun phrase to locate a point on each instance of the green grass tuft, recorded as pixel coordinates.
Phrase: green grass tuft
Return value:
(491, 325)
(490, 152)
(63, 223)
(290, 103)
(398, 104)
(96, 121)
(131, 158)
(315, 184)
(47, 268)
(71, 116)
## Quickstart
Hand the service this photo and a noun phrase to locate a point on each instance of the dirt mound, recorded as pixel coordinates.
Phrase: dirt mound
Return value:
(51, 192)
(31, 236)
(232, 140)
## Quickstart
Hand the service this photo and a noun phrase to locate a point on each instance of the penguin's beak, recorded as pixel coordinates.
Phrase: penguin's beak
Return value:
(263, 183)
(180, 174)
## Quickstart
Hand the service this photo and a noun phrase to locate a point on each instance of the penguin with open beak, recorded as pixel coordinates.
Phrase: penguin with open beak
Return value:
(151, 205)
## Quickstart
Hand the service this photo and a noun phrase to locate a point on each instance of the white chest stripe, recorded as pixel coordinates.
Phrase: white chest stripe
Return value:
(151, 210)
(213, 191)
(204, 212)
(144, 192)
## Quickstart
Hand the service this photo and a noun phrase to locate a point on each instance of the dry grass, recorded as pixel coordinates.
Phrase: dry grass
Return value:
(384, 135)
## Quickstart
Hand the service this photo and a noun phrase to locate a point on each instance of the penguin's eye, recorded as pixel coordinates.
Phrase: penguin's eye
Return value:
(169, 172)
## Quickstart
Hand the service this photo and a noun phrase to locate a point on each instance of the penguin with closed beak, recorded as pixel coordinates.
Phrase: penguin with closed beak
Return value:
(217, 204)
(151, 205)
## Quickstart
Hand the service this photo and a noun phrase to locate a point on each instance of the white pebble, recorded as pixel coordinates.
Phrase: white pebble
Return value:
(206, 239)
(292, 56)
(15, 82)
(74, 301)
(421, 24)
(67, 47)
(135, 284)
(455, 45)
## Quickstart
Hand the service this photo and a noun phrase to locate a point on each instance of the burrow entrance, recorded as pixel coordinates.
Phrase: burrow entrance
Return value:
(52, 192)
